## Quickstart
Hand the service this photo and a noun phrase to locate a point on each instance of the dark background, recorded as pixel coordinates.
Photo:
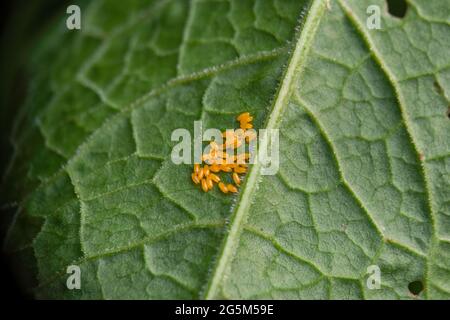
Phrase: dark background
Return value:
(21, 23)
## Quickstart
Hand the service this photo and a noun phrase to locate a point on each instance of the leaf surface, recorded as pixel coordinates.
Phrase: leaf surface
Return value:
(364, 150)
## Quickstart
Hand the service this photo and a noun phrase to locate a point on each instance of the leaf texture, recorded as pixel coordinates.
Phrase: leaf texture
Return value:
(364, 149)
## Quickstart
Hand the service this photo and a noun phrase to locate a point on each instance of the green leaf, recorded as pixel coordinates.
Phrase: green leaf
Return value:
(364, 150)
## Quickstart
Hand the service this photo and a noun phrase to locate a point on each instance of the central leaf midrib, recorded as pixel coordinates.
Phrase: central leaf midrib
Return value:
(297, 60)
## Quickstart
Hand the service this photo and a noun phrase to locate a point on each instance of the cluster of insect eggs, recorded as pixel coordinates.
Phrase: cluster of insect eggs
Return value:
(206, 175)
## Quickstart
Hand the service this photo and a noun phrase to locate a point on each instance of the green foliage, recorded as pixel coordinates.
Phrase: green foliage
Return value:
(364, 176)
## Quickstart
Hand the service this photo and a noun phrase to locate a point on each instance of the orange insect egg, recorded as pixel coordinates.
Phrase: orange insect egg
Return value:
(245, 120)
(209, 183)
(214, 168)
(214, 177)
(204, 185)
(243, 116)
(200, 174)
(223, 187)
(236, 178)
(225, 168)
(246, 125)
(206, 170)
(227, 163)
(220, 157)
(232, 188)
(240, 169)
(195, 178)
